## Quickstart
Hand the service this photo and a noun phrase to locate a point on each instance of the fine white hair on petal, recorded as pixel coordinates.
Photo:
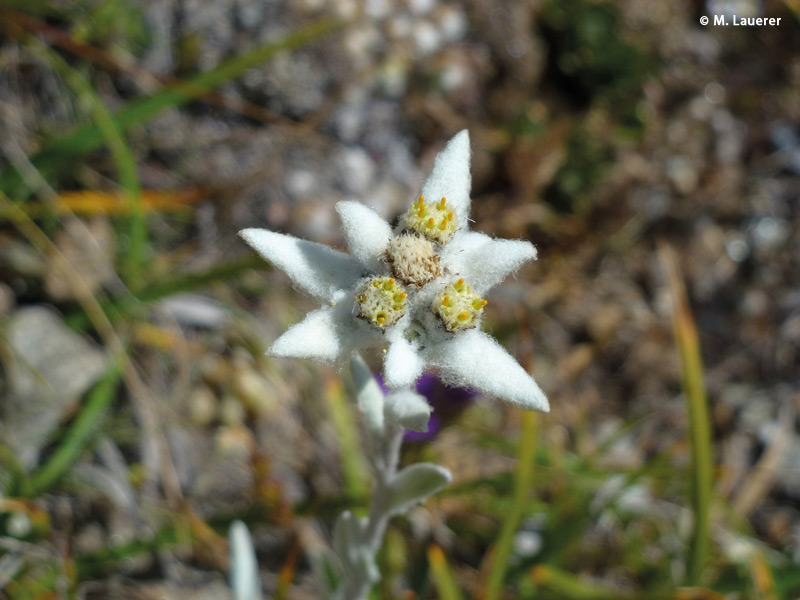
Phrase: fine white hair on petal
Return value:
(472, 358)
(320, 336)
(402, 365)
(366, 233)
(450, 177)
(315, 268)
(484, 262)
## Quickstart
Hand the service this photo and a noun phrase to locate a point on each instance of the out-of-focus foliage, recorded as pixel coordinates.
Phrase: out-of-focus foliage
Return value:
(592, 60)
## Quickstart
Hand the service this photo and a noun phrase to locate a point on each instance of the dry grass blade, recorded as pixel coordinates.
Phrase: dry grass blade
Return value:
(287, 572)
(111, 203)
(759, 482)
(442, 575)
(763, 580)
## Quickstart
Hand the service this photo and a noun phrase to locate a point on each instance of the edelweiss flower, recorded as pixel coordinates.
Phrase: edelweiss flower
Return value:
(418, 290)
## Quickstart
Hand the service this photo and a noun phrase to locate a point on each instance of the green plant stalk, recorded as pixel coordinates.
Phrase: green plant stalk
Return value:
(692, 379)
(78, 435)
(134, 257)
(58, 155)
(700, 435)
(18, 479)
(570, 587)
(443, 579)
(522, 484)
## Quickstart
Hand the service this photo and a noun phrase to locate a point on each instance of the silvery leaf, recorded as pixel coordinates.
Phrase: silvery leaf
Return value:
(414, 484)
(346, 540)
(368, 395)
(244, 566)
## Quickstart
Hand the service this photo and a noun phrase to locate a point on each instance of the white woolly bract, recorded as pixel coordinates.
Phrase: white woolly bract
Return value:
(328, 335)
(483, 261)
(402, 365)
(473, 359)
(319, 270)
(450, 177)
(409, 409)
(366, 234)
(468, 358)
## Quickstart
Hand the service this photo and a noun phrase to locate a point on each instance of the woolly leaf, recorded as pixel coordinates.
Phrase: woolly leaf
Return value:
(414, 484)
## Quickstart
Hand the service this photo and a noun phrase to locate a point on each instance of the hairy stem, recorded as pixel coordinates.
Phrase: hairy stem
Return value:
(356, 585)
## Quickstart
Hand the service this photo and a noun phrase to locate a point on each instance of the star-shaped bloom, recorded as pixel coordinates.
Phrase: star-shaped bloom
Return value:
(418, 290)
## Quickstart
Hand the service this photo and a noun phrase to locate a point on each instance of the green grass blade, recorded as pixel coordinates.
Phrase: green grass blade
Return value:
(191, 281)
(163, 289)
(96, 564)
(443, 579)
(17, 483)
(694, 390)
(522, 485)
(135, 255)
(570, 587)
(58, 155)
(78, 435)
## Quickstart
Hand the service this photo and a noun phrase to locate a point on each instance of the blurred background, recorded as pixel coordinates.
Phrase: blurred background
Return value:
(655, 163)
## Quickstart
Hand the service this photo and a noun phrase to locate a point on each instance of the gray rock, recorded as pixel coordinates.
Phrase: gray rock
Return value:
(52, 367)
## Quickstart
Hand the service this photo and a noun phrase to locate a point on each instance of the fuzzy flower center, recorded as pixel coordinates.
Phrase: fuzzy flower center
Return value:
(413, 260)
(435, 221)
(381, 302)
(458, 306)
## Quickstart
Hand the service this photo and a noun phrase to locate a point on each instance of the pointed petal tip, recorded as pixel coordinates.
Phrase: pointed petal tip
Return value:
(531, 396)
(343, 205)
(450, 177)
(367, 234)
(541, 405)
(531, 253)
(529, 399)
(473, 358)
(459, 145)
(247, 234)
(461, 137)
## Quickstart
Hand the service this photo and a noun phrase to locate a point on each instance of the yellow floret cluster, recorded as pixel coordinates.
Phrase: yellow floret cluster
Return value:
(381, 302)
(458, 306)
(434, 221)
